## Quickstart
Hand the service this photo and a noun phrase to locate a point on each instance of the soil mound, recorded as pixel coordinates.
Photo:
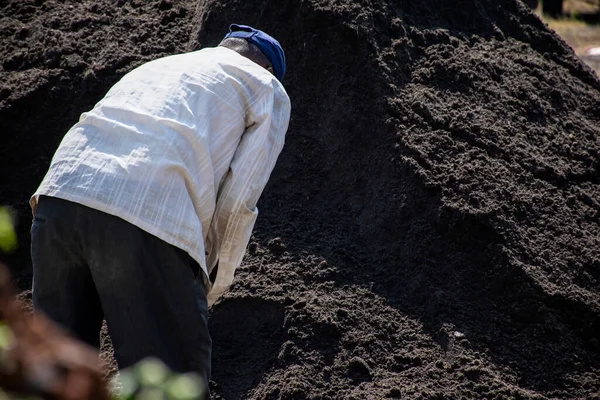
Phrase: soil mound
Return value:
(431, 229)
(57, 59)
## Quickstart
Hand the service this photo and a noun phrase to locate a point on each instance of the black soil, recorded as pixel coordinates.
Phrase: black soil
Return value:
(432, 227)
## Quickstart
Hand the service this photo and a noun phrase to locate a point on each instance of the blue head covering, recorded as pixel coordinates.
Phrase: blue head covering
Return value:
(267, 44)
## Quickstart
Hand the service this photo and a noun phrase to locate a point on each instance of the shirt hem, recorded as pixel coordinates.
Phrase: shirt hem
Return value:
(97, 205)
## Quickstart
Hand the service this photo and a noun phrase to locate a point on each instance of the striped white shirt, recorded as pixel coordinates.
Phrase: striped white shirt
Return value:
(181, 147)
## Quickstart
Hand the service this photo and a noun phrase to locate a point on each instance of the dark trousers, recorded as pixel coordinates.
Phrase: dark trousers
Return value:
(89, 265)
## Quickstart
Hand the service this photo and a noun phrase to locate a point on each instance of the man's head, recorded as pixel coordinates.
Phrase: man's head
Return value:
(257, 46)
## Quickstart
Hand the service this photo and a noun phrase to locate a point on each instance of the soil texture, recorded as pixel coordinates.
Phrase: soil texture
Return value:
(431, 229)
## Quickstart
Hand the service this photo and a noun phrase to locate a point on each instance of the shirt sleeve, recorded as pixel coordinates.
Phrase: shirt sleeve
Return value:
(250, 169)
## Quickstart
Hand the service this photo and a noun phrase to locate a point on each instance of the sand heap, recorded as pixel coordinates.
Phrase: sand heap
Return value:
(431, 229)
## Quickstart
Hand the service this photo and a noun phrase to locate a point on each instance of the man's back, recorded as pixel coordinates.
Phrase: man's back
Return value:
(157, 148)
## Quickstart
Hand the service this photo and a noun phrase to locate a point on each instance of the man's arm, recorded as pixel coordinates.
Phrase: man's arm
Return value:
(250, 169)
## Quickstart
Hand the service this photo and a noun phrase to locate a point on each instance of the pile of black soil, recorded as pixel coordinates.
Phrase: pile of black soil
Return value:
(432, 227)
(57, 59)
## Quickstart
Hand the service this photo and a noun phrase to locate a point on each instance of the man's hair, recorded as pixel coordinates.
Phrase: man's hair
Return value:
(246, 49)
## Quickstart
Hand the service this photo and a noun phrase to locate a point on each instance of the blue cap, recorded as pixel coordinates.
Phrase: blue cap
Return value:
(267, 44)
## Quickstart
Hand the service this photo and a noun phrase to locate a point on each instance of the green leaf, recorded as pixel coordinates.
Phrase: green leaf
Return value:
(6, 336)
(128, 384)
(185, 387)
(150, 394)
(151, 372)
(8, 236)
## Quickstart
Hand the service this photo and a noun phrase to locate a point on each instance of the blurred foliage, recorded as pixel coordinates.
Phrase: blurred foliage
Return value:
(151, 379)
(8, 236)
(6, 337)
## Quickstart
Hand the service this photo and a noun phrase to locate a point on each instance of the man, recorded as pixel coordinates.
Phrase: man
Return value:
(151, 189)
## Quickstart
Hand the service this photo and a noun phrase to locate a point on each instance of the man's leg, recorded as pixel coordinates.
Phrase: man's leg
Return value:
(152, 302)
(63, 287)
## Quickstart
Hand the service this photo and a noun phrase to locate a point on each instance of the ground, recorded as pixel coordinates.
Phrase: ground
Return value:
(431, 227)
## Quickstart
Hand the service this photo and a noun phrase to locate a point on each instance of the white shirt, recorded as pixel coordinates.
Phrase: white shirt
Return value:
(181, 147)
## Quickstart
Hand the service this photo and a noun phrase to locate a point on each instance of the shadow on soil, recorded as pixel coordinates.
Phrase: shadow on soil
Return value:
(446, 270)
(246, 334)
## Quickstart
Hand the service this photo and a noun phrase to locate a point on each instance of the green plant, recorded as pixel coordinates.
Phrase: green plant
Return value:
(151, 379)
(8, 236)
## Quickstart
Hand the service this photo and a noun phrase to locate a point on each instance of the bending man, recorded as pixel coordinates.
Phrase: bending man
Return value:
(153, 188)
